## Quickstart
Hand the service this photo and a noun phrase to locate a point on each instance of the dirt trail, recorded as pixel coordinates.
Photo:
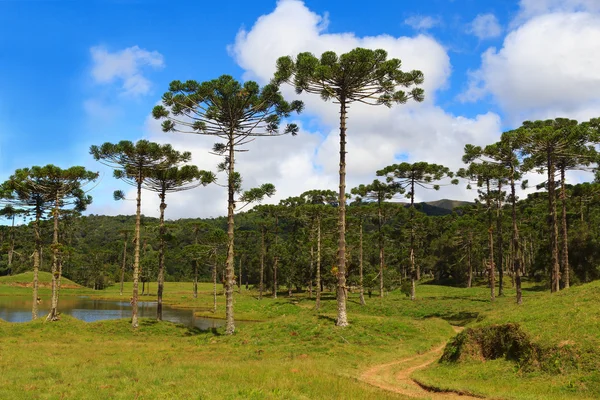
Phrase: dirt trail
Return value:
(395, 376)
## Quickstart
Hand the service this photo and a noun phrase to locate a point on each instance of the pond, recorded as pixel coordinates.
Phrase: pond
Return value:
(18, 309)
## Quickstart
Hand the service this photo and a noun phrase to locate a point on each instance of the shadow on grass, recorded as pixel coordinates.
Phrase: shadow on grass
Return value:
(537, 288)
(460, 318)
(188, 330)
(325, 317)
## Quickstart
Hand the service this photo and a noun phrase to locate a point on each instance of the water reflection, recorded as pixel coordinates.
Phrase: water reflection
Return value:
(18, 309)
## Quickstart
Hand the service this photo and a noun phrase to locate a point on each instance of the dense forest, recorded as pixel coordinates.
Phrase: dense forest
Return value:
(452, 238)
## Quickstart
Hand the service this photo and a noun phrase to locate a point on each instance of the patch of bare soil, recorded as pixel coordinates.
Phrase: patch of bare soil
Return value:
(395, 376)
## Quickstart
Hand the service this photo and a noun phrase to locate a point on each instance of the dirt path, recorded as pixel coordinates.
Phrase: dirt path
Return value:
(395, 376)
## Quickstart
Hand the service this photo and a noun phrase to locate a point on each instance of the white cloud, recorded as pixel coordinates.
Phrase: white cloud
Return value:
(422, 22)
(125, 67)
(547, 67)
(292, 28)
(485, 26)
(532, 8)
(376, 135)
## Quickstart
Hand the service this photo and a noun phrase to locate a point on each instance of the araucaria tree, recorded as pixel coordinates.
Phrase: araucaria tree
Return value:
(237, 114)
(407, 177)
(65, 188)
(506, 155)
(552, 146)
(485, 175)
(133, 163)
(317, 204)
(20, 190)
(359, 76)
(175, 178)
(378, 192)
(10, 212)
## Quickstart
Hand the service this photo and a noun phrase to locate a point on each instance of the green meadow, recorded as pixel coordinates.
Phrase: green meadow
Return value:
(284, 349)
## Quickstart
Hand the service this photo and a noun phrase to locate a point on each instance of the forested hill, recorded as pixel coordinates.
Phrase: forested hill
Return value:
(441, 207)
(449, 246)
(95, 243)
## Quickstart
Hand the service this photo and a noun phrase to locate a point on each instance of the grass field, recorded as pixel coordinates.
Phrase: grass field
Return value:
(295, 352)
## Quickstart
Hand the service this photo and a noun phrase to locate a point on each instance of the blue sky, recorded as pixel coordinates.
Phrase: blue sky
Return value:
(75, 73)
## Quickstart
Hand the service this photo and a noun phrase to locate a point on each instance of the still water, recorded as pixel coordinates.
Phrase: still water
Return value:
(18, 309)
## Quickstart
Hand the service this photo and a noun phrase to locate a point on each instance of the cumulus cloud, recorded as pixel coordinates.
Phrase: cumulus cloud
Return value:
(422, 22)
(532, 8)
(377, 136)
(547, 67)
(126, 67)
(485, 26)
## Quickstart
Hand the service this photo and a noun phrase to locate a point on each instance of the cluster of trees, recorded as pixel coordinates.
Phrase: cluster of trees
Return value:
(321, 238)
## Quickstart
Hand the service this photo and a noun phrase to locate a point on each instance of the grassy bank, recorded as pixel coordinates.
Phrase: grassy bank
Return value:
(564, 328)
(296, 352)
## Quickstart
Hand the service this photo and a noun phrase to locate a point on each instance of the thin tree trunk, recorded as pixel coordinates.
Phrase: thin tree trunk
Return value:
(37, 255)
(515, 240)
(413, 272)
(276, 258)
(342, 318)
(11, 249)
(136, 257)
(380, 243)
(553, 226)
(230, 325)
(360, 265)
(262, 262)
(195, 283)
(214, 276)
(161, 258)
(240, 278)
(312, 264)
(565, 253)
(469, 249)
(124, 263)
(53, 314)
(318, 279)
(491, 269)
(500, 249)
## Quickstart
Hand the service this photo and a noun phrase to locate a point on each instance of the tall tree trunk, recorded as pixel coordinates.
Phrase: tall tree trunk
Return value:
(136, 257)
(37, 255)
(469, 250)
(360, 265)
(161, 258)
(312, 264)
(318, 300)
(11, 249)
(515, 240)
(240, 278)
(124, 263)
(230, 325)
(195, 284)
(276, 258)
(565, 243)
(500, 249)
(53, 314)
(413, 272)
(553, 225)
(491, 268)
(214, 276)
(342, 317)
(262, 262)
(380, 243)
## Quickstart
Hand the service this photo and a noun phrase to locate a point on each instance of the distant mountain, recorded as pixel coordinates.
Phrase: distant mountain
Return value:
(439, 207)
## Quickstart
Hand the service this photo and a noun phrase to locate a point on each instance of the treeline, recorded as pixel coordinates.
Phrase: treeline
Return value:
(448, 248)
